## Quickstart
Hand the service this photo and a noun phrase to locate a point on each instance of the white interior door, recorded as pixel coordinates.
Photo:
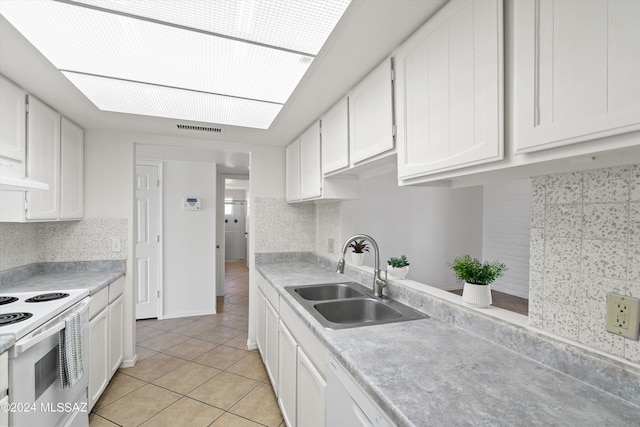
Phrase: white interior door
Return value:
(147, 241)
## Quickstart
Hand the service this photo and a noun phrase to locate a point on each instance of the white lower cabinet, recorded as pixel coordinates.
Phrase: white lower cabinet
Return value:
(106, 343)
(98, 355)
(271, 334)
(4, 389)
(347, 404)
(287, 374)
(294, 358)
(4, 415)
(261, 329)
(116, 341)
(311, 393)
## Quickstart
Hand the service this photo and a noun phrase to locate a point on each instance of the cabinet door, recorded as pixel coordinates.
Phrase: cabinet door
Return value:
(271, 326)
(371, 115)
(4, 415)
(449, 90)
(43, 160)
(98, 356)
(310, 170)
(293, 171)
(71, 171)
(576, 68)
(335, 137)
(311, 394)
(287, 374)
(12, 129)
(116, 341)
(260, 324)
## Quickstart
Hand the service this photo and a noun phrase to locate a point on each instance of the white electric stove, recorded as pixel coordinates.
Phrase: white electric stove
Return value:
(36, 394)
(22, 312)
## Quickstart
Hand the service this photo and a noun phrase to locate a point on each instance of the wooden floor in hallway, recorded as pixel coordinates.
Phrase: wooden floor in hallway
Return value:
(194, 371)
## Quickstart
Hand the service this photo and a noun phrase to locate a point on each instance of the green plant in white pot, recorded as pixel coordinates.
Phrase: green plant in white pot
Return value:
(398, 268)
(359, 248)
(477, 277)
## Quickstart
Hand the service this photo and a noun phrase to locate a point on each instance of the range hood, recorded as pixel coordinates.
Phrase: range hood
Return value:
(21, 184)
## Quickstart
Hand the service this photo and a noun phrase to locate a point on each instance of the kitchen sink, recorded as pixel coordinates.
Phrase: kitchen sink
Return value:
(356, 311)
(349, 305)
(328, 292)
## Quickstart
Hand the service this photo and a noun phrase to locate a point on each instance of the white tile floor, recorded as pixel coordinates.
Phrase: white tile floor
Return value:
(194, 371)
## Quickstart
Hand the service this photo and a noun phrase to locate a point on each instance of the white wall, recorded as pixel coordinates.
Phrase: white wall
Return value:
(189, 239)
(430, 225)
(506, 228)
(109, 191)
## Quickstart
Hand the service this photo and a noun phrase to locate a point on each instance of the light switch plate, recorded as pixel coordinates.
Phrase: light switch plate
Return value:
(622, 315)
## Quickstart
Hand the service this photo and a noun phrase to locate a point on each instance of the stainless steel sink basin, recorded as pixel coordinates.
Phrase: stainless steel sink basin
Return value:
(349, 305)
(328, 292)
(356, 311)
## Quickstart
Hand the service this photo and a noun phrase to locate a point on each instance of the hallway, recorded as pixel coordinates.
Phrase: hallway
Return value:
(194, 371)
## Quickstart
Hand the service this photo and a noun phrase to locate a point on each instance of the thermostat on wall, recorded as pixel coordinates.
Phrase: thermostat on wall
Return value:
(191, 204)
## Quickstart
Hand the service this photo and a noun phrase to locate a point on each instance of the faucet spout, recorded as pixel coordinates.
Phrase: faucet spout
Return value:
(378, 281)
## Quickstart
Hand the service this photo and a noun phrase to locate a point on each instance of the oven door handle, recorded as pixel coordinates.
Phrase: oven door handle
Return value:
(23, 345)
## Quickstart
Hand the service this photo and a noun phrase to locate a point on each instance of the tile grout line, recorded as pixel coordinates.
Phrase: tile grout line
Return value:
(258, 383)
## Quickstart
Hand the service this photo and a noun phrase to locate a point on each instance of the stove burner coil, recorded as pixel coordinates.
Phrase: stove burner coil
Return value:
(7, 300)
(47, 297)
(10, 318)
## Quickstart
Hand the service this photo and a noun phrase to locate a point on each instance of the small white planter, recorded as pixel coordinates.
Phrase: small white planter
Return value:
(357, 258)
(397, 272)
(476, 295)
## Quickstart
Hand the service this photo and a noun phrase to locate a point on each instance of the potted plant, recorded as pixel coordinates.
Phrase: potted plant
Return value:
(398, 267)
(477, 277)
(359, 248)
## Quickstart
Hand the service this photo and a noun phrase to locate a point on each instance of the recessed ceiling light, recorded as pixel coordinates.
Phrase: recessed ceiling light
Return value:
(234, 62)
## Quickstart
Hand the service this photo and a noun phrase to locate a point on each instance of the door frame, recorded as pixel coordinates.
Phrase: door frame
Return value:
(221, 180)
(159, 308)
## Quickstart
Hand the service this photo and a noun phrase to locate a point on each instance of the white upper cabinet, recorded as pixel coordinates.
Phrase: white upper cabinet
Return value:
(71, 171)
(293, 171)
(371, 115)
(335, 137)
(576, 71)
(12, 129)
(449, 90)
(310, 170)
(54, 148)
(304, 181)
(43, 161)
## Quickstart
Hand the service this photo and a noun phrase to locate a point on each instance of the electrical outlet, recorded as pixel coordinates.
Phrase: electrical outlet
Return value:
(331, 244)
(622, 315)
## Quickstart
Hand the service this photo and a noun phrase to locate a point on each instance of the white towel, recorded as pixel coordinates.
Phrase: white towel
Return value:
(71, 350)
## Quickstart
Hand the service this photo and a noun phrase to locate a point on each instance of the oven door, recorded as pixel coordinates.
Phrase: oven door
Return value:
(34, 376)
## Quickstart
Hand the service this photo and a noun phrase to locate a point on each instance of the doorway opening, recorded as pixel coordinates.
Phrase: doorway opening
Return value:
(233, 241)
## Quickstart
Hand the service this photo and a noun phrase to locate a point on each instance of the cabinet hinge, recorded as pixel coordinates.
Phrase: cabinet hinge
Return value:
(393, 75)
(26, 103)
(158, 238)
(158, 294)
(393, 130)
(158, 182)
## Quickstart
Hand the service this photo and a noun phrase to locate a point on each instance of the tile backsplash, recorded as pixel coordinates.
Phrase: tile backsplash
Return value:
(585, 243)
(283, 227)
(86, 240)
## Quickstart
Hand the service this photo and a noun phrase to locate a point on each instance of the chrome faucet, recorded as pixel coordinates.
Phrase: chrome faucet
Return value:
(378, 281)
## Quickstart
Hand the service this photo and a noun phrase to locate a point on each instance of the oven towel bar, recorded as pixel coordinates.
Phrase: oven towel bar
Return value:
(71, 350)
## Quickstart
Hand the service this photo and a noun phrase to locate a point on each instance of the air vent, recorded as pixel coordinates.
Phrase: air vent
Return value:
(201, 128)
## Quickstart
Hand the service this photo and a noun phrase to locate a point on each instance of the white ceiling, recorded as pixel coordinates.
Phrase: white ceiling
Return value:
(368, 32)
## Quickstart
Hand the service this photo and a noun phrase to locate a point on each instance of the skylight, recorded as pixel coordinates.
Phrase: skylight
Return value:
(217, 61)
